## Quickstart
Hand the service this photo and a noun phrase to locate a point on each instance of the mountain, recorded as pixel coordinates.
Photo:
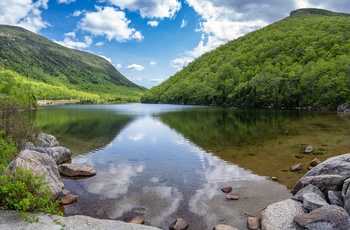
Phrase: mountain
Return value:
(302, 60)
(37, 59)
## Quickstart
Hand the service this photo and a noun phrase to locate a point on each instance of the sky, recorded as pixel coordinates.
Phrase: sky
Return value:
(150, 40)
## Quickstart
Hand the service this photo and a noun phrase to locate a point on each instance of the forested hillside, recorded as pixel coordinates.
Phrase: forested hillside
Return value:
(302, 60)
(58, 72)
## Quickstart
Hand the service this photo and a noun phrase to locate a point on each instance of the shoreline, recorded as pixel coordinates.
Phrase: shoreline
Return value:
(57, 102)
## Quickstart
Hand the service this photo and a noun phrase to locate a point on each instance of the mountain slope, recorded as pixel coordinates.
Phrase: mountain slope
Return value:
(302, 60)
(42, 60)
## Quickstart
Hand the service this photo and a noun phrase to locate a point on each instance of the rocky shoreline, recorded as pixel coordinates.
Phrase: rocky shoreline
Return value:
(321, 197)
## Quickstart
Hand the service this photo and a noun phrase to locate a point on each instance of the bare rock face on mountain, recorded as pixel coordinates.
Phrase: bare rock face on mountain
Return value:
(40, 164)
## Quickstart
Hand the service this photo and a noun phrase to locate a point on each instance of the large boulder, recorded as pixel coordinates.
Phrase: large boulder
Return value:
(281, 215)
(40, 164)
(329, 175)
(326, 218)
(46, 140)
(59, 154)
(10, 220)
(76, 170)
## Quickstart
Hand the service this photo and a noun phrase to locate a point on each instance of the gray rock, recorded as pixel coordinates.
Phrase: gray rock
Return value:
(28, 146)
(76, 170)
(40, 164)
(309, 149)
(345, 188)
(335, 198)
(313, 201)
(10, 220)
(46, 140)
(59, 154)
(296, 167)
(281, 215)
(343, 107)
(329, 175)
(308, 189)
(326, 217)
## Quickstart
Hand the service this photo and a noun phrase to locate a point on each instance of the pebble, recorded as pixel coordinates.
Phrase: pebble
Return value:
(232, 197)
(296, 167)
(226, 189)
(179, 224)
(253, 223)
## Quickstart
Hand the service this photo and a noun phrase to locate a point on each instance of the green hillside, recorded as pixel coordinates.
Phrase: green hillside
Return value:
(36, 59)
(302, 60)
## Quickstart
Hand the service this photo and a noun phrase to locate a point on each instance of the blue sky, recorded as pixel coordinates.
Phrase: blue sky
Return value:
(150, 40)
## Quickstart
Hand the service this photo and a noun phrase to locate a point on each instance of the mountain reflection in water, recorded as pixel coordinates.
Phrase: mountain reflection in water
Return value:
(152, 167)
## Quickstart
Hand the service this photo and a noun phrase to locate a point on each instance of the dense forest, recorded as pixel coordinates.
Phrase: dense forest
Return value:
(300, 61)
(56, 72)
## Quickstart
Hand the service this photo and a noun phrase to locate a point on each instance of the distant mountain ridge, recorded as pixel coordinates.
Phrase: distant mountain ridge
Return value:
(42, 60)
(300, 61)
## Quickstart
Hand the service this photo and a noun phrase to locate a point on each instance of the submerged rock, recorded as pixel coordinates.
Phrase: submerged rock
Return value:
(232, 197)
(68, 199)
(226, 189)
(253, 223)
(76, 170)
(296, 167)
(179, 224)
(224, 227)
(309, 149)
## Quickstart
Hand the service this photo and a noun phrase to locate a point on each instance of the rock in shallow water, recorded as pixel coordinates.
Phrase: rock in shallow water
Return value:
(75, 170)
(296, 167)
(68, 199)
(179, 224)
(226, 189)
(253, 223)
(224, 227)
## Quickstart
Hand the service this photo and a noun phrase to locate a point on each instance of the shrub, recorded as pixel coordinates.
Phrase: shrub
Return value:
(26, 192)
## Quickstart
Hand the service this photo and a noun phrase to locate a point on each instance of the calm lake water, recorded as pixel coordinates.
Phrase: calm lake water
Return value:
(167, 161)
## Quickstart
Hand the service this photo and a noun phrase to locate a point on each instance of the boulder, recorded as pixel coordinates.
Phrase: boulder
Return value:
(226, 189)
(224, 227)
(327, 217)
(76, 170)
(232, 197)
(308, 189)
(296, 167)
(68, 199)
(10, 220)
(335, 198)
(343, 107)
(179, 224)
(28, 146)
(253, 223)
(281, 215)
(313, 201)
(46, 140)
(40, 164)
(59, 154)
(315, 162)
(329, 175)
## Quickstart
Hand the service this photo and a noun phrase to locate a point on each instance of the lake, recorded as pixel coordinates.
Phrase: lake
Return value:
(167, 161)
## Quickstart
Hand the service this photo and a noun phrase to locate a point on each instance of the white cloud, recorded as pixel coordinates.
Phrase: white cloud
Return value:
(99, 43)
(153, 63)
(135, 67)
(118, 66)
(151, 8)
(73, 43)
(65, 1)
(107, 58)
(183, 23)
(136, 137)
(111, 23)
(70, 34)
(77, 13)
(24, 13)
(153, 23)
(135, 79)
(156, 80)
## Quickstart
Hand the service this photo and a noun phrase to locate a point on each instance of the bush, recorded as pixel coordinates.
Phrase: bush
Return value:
(26, 192)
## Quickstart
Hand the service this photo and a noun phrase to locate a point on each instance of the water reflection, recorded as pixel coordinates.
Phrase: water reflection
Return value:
(149, 169)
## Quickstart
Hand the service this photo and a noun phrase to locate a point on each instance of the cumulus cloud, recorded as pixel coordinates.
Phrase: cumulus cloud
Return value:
(65, 1)
(153, 63)
(107, 58)
(135, 67)
(156, 79)
(71, 42)
(24, 13)
(153, 23)
(118, 66)
(99, 43)
(109, 22)
(151, 8)
(77, 13)
(135, 79)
